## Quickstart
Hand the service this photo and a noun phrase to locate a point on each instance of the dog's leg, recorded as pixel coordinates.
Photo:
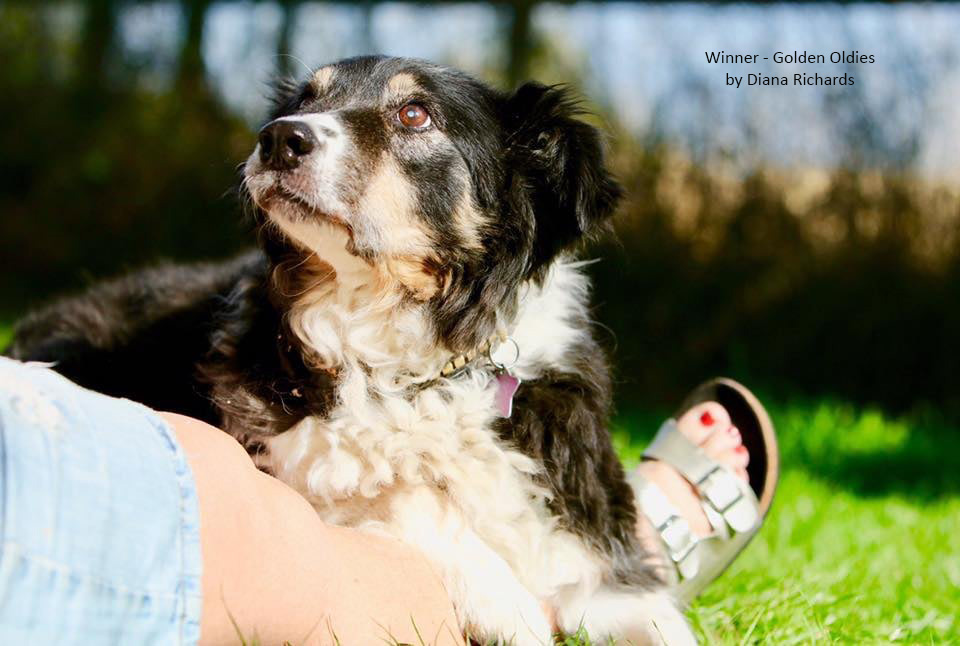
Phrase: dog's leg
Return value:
(635, 618)
(492, 605)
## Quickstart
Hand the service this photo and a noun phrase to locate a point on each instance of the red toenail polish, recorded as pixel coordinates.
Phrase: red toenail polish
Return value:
(707, 419)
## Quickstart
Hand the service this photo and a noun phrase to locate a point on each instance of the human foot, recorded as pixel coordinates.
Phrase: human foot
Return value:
(708, 426)
(698, 508)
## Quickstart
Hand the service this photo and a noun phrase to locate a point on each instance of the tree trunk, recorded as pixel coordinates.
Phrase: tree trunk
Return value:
(520, 47)
(99, 26)
(285, 60)
(191, 76)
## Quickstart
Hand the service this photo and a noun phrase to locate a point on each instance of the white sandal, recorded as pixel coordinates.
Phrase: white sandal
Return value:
(734, 509)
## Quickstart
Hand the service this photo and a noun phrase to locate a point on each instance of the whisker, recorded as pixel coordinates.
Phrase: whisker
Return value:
(299, 60)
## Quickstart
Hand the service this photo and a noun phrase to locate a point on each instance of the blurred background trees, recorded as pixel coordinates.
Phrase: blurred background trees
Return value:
(802, 239)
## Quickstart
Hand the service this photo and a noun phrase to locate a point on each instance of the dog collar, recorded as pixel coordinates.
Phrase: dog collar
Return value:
(507, 382)
(458, 364)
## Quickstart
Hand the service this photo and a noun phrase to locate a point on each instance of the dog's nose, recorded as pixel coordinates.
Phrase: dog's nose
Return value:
(284, 144)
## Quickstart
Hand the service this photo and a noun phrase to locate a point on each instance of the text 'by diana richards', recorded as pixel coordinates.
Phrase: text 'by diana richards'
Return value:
(793, 59)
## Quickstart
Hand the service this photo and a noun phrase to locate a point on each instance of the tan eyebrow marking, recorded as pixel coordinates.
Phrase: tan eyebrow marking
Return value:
(322, 77)
(401, 86)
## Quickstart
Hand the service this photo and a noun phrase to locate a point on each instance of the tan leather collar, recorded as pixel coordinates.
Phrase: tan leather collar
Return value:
(456, 364)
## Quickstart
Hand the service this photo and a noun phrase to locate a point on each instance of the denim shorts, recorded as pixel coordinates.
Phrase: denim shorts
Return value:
(98, 518)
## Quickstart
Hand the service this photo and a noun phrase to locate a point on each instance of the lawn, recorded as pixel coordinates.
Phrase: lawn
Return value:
(863, 543)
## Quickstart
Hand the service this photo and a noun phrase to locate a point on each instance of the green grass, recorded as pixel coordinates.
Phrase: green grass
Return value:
(6, 331)
(863, 542)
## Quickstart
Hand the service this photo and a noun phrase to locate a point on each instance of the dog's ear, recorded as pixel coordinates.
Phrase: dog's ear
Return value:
(560, 158)
(557, 191)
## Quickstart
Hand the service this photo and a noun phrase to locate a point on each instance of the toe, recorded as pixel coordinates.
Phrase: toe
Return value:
(702, 420)
(743, 455)
(722, 441)
(726, 447)
(740, 459)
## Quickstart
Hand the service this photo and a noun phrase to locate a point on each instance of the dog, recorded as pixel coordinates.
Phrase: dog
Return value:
(410, 347)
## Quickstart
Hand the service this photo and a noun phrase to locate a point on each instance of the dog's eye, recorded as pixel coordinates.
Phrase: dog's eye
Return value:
(414, 115)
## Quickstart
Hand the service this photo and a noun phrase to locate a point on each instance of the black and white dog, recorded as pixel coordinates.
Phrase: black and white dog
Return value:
(416, 228)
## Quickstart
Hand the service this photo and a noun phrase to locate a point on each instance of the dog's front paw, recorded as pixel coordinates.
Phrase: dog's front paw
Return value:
(505, 618)
(646, 619)
(668, 625)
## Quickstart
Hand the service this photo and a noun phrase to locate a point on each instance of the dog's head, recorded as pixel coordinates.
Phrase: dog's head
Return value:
(457, 192)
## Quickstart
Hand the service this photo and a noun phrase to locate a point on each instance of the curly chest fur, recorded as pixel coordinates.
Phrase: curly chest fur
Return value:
(362, 464)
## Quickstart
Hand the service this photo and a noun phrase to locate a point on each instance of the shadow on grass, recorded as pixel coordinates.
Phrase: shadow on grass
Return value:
(916, 457)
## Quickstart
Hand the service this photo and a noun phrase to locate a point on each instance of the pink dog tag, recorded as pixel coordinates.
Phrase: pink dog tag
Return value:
(507, 386)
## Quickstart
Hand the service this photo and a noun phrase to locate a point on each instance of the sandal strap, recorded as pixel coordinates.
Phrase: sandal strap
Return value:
(679, 541)
(717, 486)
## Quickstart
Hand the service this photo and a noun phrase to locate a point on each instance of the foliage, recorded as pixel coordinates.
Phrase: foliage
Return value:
(840, 282)
(102, 175)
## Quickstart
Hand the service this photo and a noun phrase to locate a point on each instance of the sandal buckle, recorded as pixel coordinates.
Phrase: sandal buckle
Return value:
(679, 539)
(720, 489)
